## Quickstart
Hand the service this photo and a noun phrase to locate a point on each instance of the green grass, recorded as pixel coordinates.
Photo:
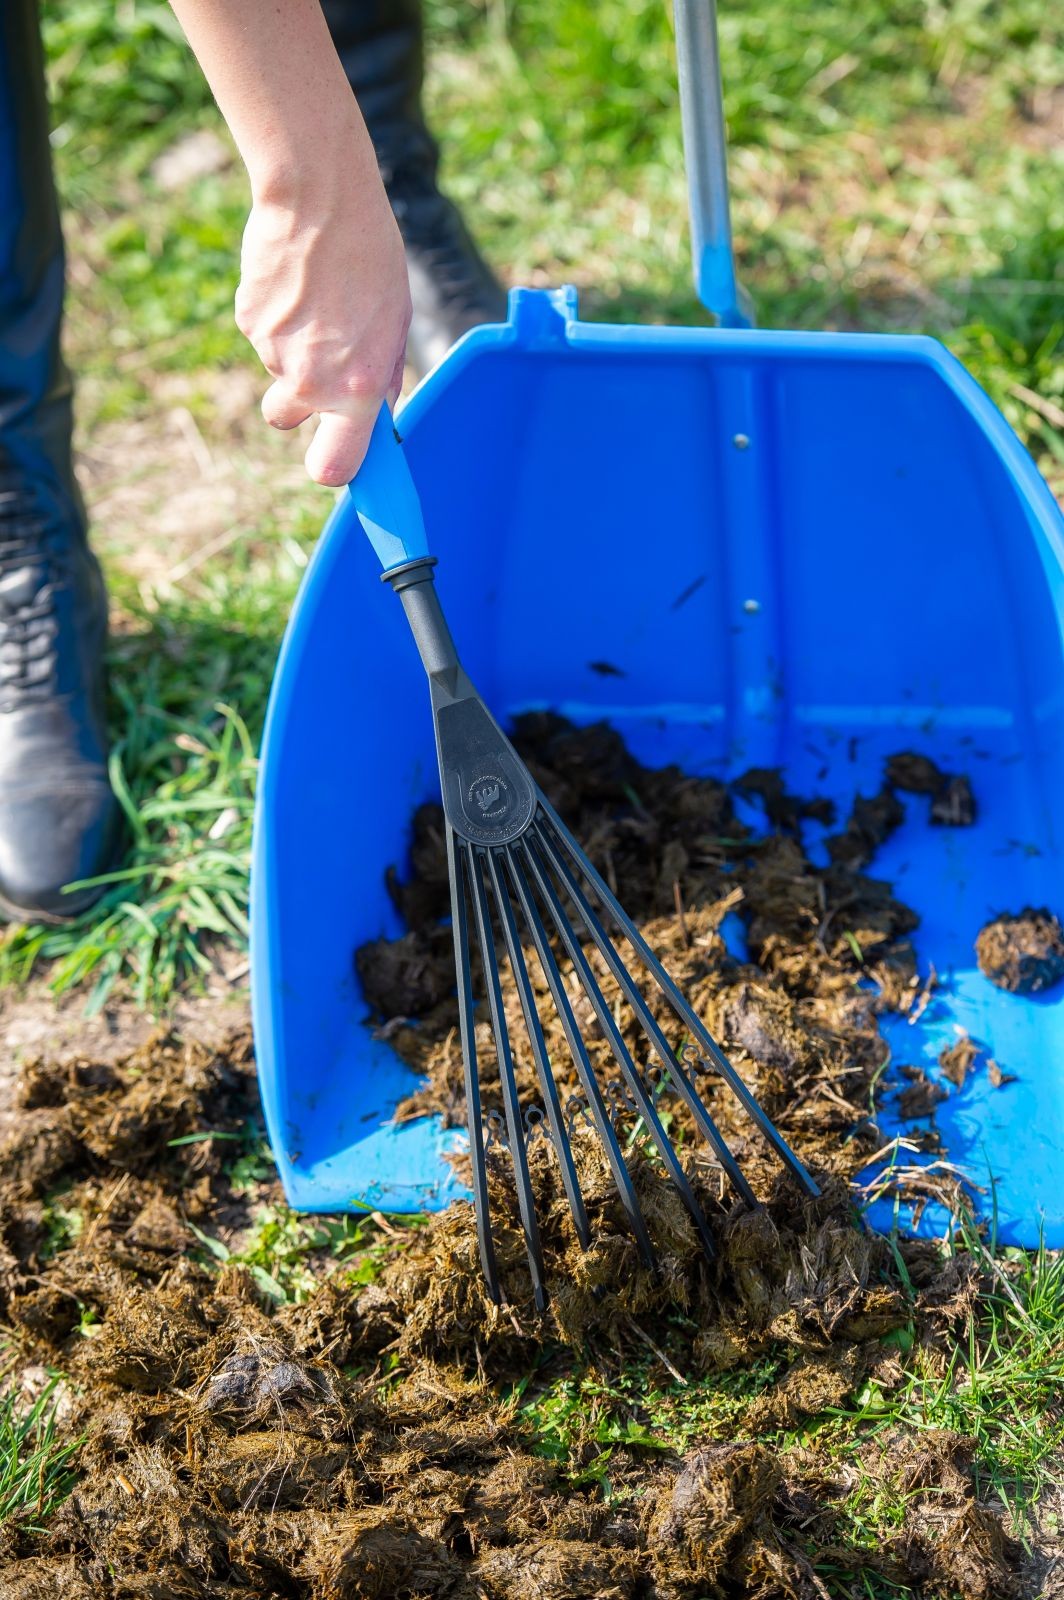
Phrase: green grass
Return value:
(189, 687)
(36, 1469)
(286, 1252)
(1001, 1390)
(582, 1420)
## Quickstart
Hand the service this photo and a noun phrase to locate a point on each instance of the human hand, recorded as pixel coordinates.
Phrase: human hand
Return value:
(324, 300)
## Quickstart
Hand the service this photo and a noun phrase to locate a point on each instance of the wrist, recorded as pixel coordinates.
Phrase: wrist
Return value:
(301, 168)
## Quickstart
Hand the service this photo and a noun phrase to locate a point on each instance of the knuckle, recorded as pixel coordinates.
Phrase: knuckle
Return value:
(303, 379)
(362, 384)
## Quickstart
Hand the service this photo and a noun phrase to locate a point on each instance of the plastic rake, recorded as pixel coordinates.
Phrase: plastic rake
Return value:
(520, 883)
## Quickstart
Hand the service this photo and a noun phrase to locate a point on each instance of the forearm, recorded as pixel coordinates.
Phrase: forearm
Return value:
(323, 293)
(280, 87)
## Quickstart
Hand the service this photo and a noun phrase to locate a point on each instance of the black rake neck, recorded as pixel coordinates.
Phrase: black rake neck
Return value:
(415, 584)
(488, 796)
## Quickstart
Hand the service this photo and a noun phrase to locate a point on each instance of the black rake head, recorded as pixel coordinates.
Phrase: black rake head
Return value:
(540, 891)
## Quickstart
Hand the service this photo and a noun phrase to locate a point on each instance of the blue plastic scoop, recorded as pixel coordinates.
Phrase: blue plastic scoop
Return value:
(801, 550)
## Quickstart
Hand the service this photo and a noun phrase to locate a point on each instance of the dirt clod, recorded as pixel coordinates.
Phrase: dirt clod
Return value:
(921, 1095)
(914, 774)
(957, 1060)
(784, 810)
(870, 823)
(952, 797)
(713, 1530)
(1022, 952)
(954, 805)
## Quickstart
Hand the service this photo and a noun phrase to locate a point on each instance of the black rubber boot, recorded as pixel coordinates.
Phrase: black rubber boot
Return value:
(58, 817)
(380, 43)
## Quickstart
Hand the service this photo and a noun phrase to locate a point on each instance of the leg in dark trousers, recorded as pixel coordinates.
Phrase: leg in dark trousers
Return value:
(35, 417)
(380, 43)
(58, 819)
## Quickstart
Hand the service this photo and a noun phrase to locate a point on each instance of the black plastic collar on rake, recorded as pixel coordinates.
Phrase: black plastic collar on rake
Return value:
(512, 863)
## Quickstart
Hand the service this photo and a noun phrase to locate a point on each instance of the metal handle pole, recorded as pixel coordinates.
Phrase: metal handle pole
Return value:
(705, 154)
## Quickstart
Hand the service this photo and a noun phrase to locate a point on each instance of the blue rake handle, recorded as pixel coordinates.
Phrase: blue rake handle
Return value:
(386, 501)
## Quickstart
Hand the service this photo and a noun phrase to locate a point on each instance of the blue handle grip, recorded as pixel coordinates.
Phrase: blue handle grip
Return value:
(385, 499)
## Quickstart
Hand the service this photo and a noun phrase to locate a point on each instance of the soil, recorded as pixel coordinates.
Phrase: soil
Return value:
(370, 1441)
(1022, 952)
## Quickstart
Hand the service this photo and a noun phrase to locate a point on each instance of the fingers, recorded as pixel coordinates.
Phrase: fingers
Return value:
(324, 298)
(281, 409)
(340, 442)
(339, 445)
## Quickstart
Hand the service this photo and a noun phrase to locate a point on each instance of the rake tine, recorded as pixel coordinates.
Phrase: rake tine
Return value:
(617, 1045)
(511, 1101)
(581, 1060)
(648, 1022)
(676, 1000)
(474, 1113)
(547, 1084)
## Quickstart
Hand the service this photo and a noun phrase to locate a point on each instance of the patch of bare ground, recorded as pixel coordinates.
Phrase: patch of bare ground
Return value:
(36, 1023)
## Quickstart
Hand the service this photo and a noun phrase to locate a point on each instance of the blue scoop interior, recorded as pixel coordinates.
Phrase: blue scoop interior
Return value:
(799, 550)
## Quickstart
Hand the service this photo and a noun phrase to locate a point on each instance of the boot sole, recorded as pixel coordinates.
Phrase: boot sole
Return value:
(11, 912)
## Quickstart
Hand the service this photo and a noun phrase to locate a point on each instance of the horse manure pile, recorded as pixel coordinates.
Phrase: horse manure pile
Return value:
(375, 1440)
